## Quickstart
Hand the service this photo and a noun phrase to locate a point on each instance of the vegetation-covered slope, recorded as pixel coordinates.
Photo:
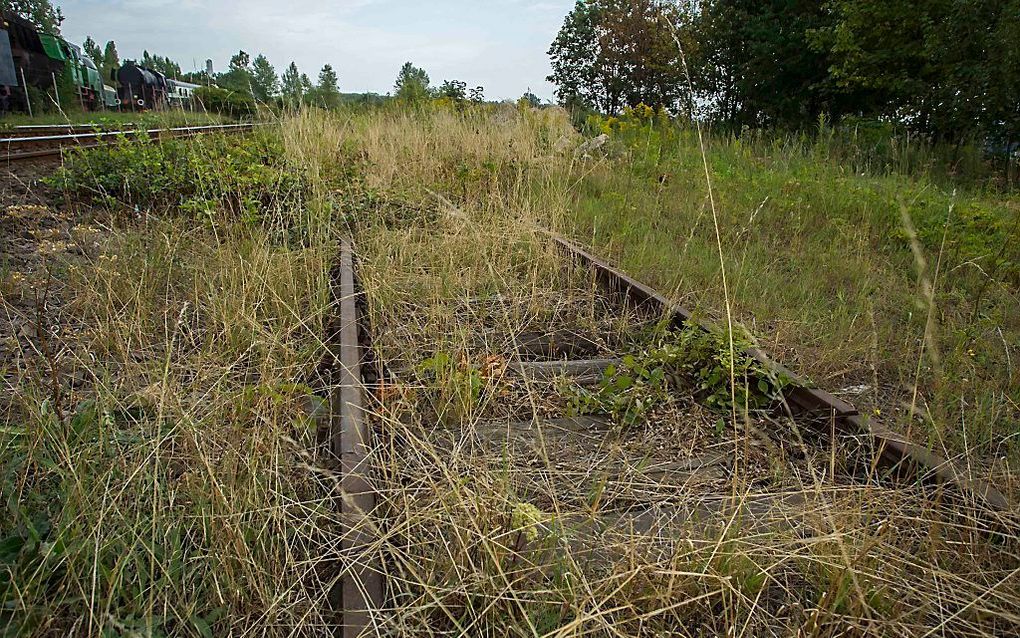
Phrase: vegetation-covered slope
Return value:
(156, 462)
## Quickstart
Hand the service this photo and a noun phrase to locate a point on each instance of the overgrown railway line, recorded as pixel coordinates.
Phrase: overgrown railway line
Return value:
(356, 438)
(49, 142)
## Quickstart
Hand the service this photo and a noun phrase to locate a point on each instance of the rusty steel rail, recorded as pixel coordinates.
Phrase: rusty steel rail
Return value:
(350, 440)
(18, 133)
(893, 452)
(38, 130)
(42, 146)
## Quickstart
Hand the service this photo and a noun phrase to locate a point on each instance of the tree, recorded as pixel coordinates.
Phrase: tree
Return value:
(615, 53)
(412, 84)
(239, 61)
(477, 94)
(111, 60)
(41, 13)
(453, 89)
(166, 66)
(530, 99)
(327, 92)
(946, 68)
(264, 82)
(575, 58)
(753, 64)
(238, 76)
(92, 50)
(291, 87)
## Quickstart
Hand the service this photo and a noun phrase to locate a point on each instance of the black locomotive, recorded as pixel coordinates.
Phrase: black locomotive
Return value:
(140, 87)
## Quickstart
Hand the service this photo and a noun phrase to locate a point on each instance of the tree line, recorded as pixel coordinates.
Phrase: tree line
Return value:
(248, 80)
(946, 68)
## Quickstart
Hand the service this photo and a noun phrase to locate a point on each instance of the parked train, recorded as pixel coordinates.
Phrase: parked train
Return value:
(30, 58)
(145, 88)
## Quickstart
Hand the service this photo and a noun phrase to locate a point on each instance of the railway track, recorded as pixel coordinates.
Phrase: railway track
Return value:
(39, 130)
(529, 432)
(50, 142)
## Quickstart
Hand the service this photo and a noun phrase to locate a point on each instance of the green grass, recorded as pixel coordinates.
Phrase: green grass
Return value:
(823, 271)
(174, 489)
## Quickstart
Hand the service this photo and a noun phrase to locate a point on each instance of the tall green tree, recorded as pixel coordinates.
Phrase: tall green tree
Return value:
(160, 63)
(238, 76)
(166, 66)
(615, 53)
(947, 68)
(92, 50)
(41, 13)
(412, 84)
(327, 92)
(454, 89)
(576, 63)
(291, 87)
(111, 60)
(753, 62)
(240, 61)
(264, 82)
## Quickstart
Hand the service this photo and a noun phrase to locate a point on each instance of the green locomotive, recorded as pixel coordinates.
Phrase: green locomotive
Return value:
(30, 58)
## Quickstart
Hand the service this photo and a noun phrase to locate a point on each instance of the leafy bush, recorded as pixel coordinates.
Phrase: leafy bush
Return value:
(456, 385)
(224, 102)
(243, 175)
(692, 359)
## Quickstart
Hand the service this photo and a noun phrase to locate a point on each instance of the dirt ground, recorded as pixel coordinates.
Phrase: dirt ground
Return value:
(40, 240)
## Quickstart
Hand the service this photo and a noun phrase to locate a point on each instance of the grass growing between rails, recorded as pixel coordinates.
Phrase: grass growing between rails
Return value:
(156, 451)
(876, 277)
(156, 459)
(537, 541)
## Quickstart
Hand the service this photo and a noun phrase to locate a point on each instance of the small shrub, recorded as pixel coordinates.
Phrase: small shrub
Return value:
(692, 359)
(455, 386)
(243, 175)
(224, 102)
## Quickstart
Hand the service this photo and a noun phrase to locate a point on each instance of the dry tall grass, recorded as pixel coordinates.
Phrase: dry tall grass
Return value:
(183, 497)
(549, 538)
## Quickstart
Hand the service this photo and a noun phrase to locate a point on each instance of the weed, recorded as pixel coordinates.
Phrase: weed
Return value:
(453, 384)
(692, 360)
(244, 176)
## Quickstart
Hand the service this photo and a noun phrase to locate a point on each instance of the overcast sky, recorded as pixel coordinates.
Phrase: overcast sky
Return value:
(498, 44)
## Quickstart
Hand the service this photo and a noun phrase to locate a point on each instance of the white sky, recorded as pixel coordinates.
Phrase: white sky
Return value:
(498, 44)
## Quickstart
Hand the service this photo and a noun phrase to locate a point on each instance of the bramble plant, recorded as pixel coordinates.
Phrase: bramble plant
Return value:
(692, 360)
(244, 176)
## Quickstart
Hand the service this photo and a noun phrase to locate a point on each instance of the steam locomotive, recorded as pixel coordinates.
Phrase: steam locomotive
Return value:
(31, 58)
(145, 88)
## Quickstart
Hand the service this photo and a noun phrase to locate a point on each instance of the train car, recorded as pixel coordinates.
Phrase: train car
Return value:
(32, 58)
(88, 85)
(181, 94)
(141, 88)
(110, 99)
(23, 60)
(88, 81)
